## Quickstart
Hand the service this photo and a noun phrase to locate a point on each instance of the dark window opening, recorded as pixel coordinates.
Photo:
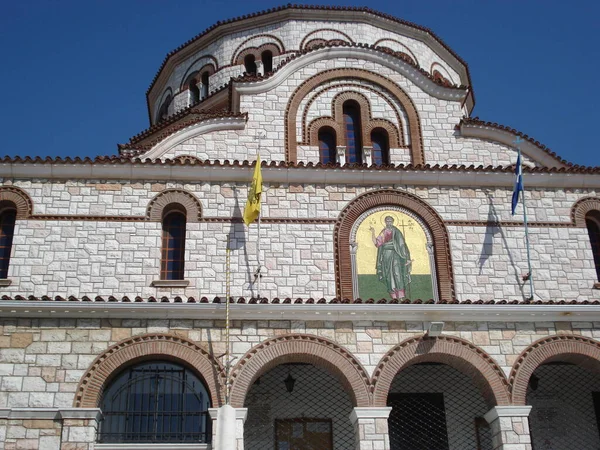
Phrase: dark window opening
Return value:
(163, 112)
(267, 60)
(205, 85)
(7, 229)
(592, 221)
(155, 402)
(352, 128)
(381, 147)
(194, 92)
(173, 246)
(418, 422)
(250, 64)
(327, 145)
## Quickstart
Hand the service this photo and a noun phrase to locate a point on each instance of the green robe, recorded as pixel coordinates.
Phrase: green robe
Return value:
(392, 258)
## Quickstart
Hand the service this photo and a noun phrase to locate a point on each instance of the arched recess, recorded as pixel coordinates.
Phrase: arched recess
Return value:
(367, 121)
(167, 197)
(19, 199)
(581, 208)
(391, 197)
(300, 348)
(148, 347)
(579, 350)
(453, 351)
(414, 122)
(325, 35)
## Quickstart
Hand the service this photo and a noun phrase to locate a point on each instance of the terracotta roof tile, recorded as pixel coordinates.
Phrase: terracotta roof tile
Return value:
(297, 301)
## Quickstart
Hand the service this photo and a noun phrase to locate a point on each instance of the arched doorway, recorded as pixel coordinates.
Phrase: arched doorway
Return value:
(298, 406)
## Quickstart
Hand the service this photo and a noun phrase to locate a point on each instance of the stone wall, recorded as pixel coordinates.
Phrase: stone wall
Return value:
(106, 256)
(42, 360)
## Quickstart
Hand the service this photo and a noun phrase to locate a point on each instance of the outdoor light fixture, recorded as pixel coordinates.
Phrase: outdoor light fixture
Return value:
(435, 329)
(289, 383)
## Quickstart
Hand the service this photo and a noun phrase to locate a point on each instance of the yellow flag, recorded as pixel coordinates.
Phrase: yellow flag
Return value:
(252, 209)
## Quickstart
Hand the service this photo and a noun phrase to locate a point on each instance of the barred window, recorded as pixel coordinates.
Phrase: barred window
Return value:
(592, 221)
(156, 401)
(352, 128)
(381, 147)
(7, 228)
(327, 141)
(173, 245)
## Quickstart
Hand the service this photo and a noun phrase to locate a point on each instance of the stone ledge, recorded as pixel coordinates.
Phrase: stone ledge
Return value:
(50, 413)
(506, 411)
(170, 283)
(152, 446)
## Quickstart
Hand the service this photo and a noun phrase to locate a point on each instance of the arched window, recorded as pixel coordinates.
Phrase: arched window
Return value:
(381, 147)
(592, 221)
(155, 402)
(267, 60)
(173, 244)
(205, 85)
(327, 145)
(163, 112)
(7, 228)
(195, 92)
(250, 64)
(352, 128)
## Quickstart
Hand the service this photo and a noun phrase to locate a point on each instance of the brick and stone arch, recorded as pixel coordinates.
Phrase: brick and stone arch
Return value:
(197, 76)
(325, 35)
(397, 47)
(453, 351)
(265, 42)
(14, 197)
(582, 207)
(368, 123)
(308, 86)
(300, 348)
(169, 197)
(391, 197)
(146, 348)
(571, 349)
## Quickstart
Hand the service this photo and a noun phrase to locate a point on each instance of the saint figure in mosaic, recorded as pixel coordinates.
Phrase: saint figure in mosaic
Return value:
(393, 263)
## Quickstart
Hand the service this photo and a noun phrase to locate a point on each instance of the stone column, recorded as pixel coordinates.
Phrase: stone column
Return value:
(260, 68)
(238, 416)
(79, 428)
(341, 155)
(371, 428)
(510, 427)
(368, 155)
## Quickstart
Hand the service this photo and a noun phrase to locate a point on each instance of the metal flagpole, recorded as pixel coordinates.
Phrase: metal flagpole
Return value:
(258, 271)
(227, 295)
(530, 274)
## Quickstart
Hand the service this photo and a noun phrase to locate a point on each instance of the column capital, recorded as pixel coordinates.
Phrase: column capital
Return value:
(382, 412)
(506, 411)
(240, 413)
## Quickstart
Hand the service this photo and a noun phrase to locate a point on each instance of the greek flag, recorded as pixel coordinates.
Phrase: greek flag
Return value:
(518, 184)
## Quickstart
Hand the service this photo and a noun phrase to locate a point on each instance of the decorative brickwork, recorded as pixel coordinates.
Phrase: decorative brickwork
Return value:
(572, 349)
(390, 197)
(144, 347)
(277, 47)
(168, 197)
(397, 47)
(211, 66)
(19, 198)
(308, 38)
(456, 352)
(197, 76)
(367, 121)
(581, 208)
(414, 123)
(300, 348)
(257, 52)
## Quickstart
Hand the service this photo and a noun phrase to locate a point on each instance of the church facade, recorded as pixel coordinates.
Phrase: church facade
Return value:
(385, 301)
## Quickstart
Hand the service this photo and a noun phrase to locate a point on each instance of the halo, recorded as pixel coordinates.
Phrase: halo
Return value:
(393, 214)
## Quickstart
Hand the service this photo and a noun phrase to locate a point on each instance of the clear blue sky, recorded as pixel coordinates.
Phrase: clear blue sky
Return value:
(75, 72)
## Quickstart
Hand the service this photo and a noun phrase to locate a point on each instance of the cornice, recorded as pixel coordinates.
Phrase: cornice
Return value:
(191, 170)
(319, 310)
(473, 127)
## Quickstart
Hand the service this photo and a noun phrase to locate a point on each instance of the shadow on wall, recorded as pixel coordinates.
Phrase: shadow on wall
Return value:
(487, 250)
(237, 236)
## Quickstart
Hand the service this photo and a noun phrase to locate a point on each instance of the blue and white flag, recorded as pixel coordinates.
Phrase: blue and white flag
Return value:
(518, 184)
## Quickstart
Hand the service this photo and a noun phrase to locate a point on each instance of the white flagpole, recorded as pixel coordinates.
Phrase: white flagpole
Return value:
(530, 274)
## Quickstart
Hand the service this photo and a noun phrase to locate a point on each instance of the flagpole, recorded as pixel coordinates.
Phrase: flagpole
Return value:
(259, 257)
(530, 274)
(227, 326)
